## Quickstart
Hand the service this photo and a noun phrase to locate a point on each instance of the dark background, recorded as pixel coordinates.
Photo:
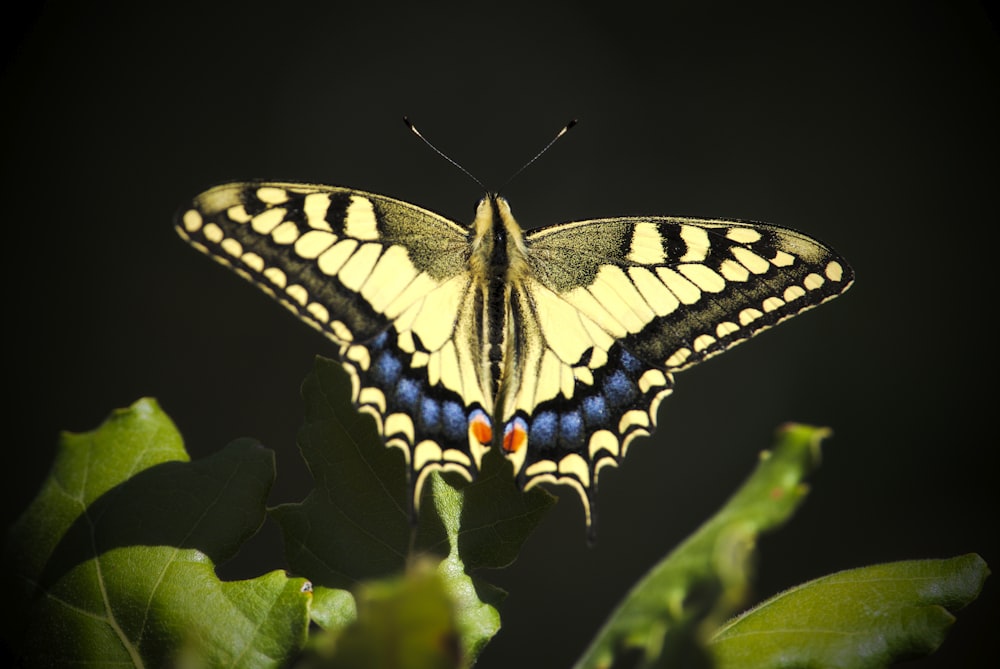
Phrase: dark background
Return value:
(872, 127)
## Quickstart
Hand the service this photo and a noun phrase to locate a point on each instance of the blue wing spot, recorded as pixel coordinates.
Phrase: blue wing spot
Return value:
(595, 410)
(571, 430)
(430, 412)
(387, 368)
(619, 389)
(543, 430)
(408, 394)
(630, 363)
(379, 341)
(454, 420)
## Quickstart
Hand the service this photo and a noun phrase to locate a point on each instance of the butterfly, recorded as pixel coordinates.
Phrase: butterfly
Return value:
(555, 346)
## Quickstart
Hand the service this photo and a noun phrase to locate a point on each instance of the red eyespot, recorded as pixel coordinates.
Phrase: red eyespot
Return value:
(479, 424)
(515, 436)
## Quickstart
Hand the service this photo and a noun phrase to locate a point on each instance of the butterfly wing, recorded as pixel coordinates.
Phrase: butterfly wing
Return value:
(611, 308)
(384, 280)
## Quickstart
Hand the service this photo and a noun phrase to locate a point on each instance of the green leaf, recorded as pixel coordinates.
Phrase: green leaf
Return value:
(857, 619)
(702, 581)
(355, 525)
(353, 530)
(497, 516)
(476, 622)
(113, 561)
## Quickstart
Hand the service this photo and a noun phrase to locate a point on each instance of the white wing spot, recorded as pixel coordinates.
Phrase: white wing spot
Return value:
(232, 247)
(679, 357)
(319, 312)
(750, 260)
(733, 271)
(575, 465)
(834, 272)
(793, 293)
(652, 378)
(254, 262)
(603, 440)
(298, 293)
(341, 331)
(631, 419)
(313, 243)
(192, 220)
(661, 300)
(697, 243)
(685, 291)
(783, 259)
(315, 207)
(333, 259)
(213, 233)
(772, 303)
(286, 233)
(265, 222)
(743, 235)
(749, 315)
(359, 221)
(275, 276)
(238, 214)
(702, 342)
(726, 328)
(647, 245)
(357, 270)
(813, 281)
(272, 195)
(704, 277)
(360, 355)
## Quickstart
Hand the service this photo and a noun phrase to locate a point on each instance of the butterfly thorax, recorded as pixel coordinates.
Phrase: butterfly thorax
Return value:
(498, 265)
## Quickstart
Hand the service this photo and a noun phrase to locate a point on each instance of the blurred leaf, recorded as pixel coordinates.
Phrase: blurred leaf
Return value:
(406, 622)
(701, 582)
(113, 561)
(858, 619)
(333, 609)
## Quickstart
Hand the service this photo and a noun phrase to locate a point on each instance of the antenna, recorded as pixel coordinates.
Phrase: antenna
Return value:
(566, 128)
(413, 129)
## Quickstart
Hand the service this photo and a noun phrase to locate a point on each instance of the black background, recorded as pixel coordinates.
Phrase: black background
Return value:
(870, 126)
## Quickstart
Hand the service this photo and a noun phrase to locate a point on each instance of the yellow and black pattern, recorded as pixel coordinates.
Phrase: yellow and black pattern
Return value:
(555, 346)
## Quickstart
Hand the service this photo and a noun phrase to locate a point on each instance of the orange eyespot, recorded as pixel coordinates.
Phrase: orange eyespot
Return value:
(515, 436)
(479, 426)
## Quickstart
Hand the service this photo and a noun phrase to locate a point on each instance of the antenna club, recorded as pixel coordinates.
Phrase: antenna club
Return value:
(413, 128)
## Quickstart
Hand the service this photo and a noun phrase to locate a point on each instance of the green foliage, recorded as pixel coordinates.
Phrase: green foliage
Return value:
(861, 618)
(355, 526)
(114, 563)
(706, 577)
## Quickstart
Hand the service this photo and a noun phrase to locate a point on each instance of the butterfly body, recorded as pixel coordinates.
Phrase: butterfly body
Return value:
(555, 346)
